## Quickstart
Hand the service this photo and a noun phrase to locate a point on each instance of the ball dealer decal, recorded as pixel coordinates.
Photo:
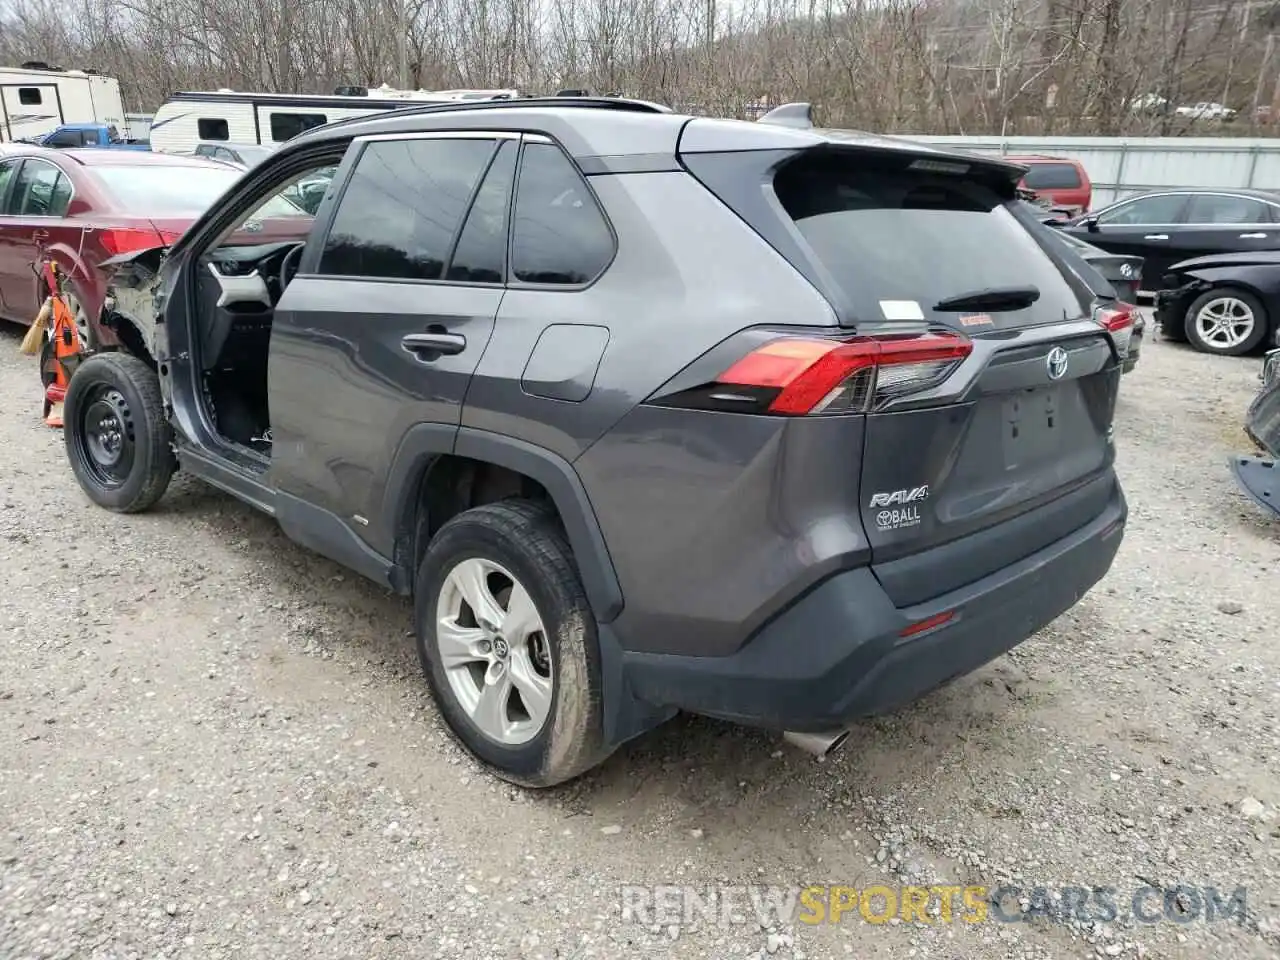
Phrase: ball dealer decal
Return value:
(896, 509)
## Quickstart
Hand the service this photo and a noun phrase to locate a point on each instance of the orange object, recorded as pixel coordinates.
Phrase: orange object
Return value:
(66, 348)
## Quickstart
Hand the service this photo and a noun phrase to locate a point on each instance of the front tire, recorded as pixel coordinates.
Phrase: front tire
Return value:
(508, 643)
(118, 440)
(1227, 321)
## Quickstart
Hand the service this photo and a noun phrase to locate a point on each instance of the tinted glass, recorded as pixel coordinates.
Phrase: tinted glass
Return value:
(402, 208)
(64, 138)
(1163, 209)
(212, 128)
(285, 126)
(558, 234)
(6, 175)
(153, 189)
(892, 234)
(1214, 208)
(90, 136)
(1051, 176)
(29, 96)
(38, 193)
(481, 254)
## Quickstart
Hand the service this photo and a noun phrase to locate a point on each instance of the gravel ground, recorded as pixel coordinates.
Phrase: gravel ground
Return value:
(216, 744)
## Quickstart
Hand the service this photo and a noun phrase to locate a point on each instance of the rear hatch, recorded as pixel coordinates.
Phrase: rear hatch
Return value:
(1013, 450)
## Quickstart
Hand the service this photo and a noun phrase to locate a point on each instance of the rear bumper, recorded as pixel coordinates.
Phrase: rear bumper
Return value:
(837, 654)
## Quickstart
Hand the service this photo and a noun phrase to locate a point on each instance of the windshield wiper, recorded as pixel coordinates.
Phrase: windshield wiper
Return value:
(992, 298)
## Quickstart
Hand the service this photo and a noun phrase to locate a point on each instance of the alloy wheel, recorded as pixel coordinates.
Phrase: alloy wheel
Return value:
(1225, 322)
(494, 650)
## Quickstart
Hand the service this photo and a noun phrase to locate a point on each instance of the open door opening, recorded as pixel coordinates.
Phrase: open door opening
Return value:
(239, 282)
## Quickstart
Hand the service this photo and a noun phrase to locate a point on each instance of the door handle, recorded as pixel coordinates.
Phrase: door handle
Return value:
(434, 344)
(1253, 236)
(1156, 236)
(39, 235)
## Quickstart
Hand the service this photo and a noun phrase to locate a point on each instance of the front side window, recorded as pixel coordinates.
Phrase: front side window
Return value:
(213, 128)
(402, 208)
(38, 192)
(1163, 209)
(558, 234)
(286, 126)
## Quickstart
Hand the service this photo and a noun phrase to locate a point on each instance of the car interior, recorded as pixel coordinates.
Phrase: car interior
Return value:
(238, 285)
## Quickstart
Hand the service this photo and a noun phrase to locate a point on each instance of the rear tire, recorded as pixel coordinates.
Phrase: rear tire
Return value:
(1227, 321)
(531, 649)
(118, 441)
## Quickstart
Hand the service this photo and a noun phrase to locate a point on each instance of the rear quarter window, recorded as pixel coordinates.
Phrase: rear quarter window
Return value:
(885, 233)
(1052, 176)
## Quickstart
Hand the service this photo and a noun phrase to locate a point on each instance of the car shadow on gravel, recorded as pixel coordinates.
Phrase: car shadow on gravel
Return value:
(729, 760)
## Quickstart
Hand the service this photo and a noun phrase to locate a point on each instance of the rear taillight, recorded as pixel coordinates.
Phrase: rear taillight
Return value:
(129, 239)
(1118, 319)
(807, 376)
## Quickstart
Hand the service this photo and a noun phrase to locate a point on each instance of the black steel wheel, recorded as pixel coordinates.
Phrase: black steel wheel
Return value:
(118, 441)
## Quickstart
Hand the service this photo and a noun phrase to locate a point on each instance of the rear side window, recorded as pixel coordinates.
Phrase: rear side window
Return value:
(481, 254)
(286, 126)
(1052, 176)
(64, 138)
(558, 234)
(403, 207)
(213, 128)
(899, 241)
(1216, 208)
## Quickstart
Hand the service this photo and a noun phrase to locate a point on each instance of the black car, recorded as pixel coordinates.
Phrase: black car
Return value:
(1258, 474)
(1227, 304)
(1168, 226)
(1123, 276)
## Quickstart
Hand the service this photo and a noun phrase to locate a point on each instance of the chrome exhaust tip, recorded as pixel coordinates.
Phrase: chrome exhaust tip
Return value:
(818, 744)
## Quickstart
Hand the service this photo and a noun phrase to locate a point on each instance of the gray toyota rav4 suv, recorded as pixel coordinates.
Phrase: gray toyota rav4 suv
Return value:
(648, 413)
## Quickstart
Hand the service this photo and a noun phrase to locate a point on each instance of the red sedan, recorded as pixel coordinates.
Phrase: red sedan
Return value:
(82, 207)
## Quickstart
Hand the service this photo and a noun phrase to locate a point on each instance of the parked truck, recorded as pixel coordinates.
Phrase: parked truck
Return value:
(104, 135)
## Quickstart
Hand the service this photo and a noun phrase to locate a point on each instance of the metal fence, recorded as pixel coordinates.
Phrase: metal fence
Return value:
(1120, 166)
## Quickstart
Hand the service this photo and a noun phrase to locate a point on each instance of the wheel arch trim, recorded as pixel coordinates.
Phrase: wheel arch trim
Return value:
(424, 443)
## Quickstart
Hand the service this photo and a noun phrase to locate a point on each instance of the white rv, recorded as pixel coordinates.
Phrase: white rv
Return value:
(36, 99)
(186, 120)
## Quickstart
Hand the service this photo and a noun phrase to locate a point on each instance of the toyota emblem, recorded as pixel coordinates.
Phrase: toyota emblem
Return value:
(1056, 362)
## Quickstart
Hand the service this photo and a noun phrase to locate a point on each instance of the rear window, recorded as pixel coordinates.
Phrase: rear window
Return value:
(896, 240)
(154, 189)
(1051, 176)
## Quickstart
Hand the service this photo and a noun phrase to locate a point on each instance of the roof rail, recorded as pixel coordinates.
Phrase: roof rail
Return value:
(798, 115)
(427, 109)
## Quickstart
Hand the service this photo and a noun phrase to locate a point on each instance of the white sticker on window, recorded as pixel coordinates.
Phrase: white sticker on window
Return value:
(901, 310)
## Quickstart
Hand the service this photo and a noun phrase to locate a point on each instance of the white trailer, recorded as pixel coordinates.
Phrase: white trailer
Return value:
(36, 99)
(186, 120)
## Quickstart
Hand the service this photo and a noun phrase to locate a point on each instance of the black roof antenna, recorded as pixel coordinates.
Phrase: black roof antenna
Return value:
(798, 115)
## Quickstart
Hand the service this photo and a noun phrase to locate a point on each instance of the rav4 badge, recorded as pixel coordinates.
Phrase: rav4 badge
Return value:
(895, 497)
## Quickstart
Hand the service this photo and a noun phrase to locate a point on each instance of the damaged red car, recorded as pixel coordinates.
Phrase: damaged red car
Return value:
(82, 207)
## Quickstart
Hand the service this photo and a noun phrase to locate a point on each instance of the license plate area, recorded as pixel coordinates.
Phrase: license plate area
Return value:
(1032, 426)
